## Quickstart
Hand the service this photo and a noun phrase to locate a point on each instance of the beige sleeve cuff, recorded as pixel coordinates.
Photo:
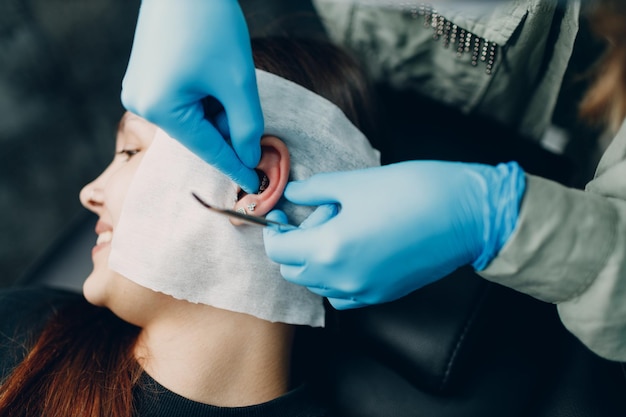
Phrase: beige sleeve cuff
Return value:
(569, 247)
(562, 240)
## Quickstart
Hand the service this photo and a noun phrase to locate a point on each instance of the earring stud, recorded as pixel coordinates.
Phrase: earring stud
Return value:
(251, 206)
(241, 210)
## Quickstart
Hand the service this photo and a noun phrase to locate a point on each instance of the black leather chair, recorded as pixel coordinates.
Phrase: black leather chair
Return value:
(463, 346)
(460, 347)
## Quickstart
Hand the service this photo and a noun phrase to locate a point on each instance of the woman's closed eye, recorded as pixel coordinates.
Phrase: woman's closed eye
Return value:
(129, 153)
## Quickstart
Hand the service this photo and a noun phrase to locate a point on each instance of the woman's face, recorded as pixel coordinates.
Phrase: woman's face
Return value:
(105, 197)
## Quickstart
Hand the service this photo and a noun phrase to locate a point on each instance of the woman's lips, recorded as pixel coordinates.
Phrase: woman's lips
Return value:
(105, 234)
(104, 237)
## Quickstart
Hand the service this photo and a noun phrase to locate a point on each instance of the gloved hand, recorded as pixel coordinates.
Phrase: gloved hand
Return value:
(184, 51)
(381, 233)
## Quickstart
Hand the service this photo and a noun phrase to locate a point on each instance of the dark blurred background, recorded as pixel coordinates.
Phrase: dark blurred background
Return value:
(61, 66)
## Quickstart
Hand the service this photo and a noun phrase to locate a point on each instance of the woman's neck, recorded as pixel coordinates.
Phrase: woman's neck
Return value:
(216, 356)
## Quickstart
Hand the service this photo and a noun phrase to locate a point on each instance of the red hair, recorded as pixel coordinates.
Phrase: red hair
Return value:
(81, 364)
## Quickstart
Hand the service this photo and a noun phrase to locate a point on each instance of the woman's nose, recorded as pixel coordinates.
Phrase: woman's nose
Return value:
(91, 197)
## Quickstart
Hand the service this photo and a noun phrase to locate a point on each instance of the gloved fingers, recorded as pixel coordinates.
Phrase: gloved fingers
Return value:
(217, 153)
(294, 247)
(317, 190)
(215, 113)
(323, 291)
(299, 274)
(292, 272)
(320, 216)
(276, 216)
(283, 247)
(245, 120)
(343, 304)
(202, 138)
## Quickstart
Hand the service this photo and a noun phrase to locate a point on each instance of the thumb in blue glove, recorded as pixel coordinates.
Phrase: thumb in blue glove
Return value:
(398, 227)
(183, 52)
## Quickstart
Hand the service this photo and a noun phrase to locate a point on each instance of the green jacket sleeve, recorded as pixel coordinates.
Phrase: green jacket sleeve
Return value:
(569, 248)
(505, 62)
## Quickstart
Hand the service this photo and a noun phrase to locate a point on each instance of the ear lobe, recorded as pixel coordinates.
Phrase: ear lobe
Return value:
(275, 164)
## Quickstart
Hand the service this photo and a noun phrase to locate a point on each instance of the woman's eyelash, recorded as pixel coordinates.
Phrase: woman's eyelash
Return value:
(128, 152)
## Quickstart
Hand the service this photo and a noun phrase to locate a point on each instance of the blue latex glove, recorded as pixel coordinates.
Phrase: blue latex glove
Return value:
(382, 233)
(184, 51)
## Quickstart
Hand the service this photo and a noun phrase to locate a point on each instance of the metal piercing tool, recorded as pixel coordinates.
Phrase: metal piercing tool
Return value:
(249, 219)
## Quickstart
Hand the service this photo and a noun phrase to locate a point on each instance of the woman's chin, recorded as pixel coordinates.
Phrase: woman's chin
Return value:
(93, 290)
(101, 285)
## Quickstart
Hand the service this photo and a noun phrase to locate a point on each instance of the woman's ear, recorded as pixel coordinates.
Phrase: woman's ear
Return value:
(273, 172)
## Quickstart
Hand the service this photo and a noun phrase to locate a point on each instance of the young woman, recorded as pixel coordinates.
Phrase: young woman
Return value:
(125, 349)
